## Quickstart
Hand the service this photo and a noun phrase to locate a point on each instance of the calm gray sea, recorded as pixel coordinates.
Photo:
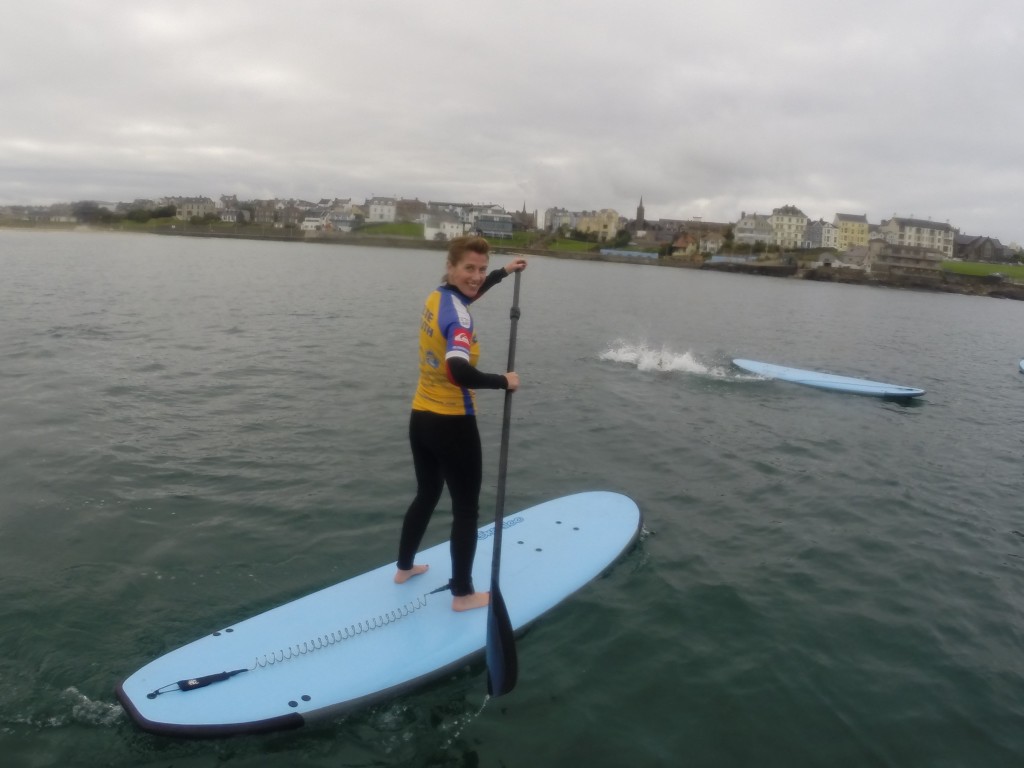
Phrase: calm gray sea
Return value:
(193, 431)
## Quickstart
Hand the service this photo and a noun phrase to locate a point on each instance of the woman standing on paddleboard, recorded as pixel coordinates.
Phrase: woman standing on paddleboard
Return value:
(442, 429)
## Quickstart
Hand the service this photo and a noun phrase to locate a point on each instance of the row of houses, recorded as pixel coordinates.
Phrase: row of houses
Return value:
(604, 223)
(788, 228)
(440, 220)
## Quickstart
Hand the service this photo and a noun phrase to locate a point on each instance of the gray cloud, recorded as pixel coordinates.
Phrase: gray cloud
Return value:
(900, 107)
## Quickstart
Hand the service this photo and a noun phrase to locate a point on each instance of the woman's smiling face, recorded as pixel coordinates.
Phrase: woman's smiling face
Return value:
(469, 274)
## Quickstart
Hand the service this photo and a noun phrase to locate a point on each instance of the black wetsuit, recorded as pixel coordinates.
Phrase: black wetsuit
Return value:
(446, 445)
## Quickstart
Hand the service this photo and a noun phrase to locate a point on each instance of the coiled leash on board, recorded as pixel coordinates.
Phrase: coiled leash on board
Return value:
(301, 649)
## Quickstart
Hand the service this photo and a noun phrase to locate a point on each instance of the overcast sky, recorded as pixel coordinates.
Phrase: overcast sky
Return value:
(882, 107)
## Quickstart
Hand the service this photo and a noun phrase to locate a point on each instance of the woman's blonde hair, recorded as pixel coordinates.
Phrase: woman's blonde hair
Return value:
(460, 246)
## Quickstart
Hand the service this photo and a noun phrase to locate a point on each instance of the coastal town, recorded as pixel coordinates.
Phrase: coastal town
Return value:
(849, 247)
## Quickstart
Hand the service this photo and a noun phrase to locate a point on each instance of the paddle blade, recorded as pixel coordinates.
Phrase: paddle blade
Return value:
(502, 664)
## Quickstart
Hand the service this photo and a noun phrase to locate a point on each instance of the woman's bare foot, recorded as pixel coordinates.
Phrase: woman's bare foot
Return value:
(403, 576)
(469, 602)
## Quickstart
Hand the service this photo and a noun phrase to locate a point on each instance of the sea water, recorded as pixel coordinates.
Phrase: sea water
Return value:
(193, 431)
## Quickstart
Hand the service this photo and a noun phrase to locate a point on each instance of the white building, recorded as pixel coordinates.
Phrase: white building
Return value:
(341, 221)
(461, 211)
(382, 210)
(486, 209)
(443, 226)
(187, 207)
(556, 218)
(315, 220)
(921, 234)
(789, 225)
(753, 228)
(234, 215)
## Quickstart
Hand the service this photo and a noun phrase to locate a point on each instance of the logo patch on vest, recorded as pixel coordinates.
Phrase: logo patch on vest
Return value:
(460, 309)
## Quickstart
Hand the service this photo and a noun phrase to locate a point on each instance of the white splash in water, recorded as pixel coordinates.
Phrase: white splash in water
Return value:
(89, 711)
(647, 358)
(461, 723)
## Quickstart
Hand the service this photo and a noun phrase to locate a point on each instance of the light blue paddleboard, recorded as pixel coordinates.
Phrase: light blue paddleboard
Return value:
(367, 638)
(827, 380)
(1022, 366)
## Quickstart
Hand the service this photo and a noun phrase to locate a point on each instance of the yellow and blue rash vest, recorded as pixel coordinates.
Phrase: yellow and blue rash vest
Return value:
(446, 331)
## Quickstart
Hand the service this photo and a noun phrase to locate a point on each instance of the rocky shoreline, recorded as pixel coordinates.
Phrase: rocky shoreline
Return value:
(943, 282)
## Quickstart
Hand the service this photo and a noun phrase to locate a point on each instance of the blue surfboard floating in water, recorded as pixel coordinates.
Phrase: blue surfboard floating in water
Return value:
(367, 638)
(827, 380)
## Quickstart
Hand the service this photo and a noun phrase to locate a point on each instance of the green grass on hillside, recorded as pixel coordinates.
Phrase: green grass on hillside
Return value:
(571, 245)
(396, 229)
(1015, 271)
(518, 240)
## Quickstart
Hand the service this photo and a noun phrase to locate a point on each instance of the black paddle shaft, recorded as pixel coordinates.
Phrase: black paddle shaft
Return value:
(502, 662)
(506, 425)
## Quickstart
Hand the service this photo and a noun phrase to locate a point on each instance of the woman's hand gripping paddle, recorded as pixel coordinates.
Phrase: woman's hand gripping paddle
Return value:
(502, 665)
